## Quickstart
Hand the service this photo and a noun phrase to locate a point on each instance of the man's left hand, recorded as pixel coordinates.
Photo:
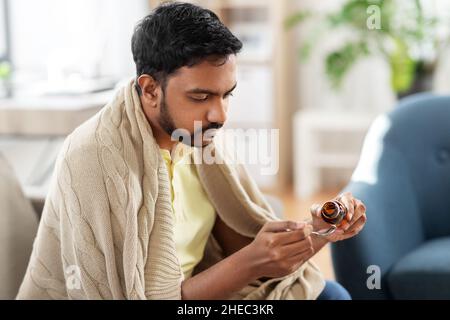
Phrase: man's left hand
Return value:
(352, 224)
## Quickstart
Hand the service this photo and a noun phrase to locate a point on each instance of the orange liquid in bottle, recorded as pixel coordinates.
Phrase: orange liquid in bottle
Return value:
(333, 212)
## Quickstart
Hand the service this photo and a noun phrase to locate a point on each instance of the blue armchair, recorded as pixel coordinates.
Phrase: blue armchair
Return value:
(403, 177)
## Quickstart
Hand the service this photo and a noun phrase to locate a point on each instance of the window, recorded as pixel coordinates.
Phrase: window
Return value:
(57, 41)
(3, 30)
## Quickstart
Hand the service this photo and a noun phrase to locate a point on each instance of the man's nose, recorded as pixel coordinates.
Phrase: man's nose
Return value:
(218, 112)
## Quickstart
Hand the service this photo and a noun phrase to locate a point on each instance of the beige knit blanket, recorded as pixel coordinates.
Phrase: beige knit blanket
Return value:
(106, 231)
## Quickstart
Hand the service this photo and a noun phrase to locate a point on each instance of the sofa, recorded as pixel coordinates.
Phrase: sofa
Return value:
(403, 177)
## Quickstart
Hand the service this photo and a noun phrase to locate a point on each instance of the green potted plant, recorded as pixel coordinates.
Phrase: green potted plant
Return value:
(399, 31)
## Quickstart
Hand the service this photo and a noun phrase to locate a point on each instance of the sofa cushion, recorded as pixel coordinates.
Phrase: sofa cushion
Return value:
(18, 226)
(423, 273)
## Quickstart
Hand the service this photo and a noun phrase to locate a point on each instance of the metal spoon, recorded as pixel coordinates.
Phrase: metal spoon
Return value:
(326, 233)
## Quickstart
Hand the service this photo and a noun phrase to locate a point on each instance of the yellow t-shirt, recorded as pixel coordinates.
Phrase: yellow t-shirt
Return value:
(194, 213)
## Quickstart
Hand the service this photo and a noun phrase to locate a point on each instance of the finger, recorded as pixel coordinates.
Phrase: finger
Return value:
(301, 257)
(351, 234)
(359, 224)
(344, 225)
(295, 248)
(347, 201)
(360, 209)
(334, 237)
(360, 206)
(279, 226)
(355, 231)
(356, 228)
(283, 238)
(347, 226)
(315, 210)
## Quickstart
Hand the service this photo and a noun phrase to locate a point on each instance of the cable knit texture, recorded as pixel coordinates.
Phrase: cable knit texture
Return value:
(106, 231)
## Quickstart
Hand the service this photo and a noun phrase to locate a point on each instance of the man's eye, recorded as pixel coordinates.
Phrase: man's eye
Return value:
(200, 97)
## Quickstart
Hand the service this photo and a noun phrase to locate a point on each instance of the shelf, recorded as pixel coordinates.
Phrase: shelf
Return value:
(51, 115)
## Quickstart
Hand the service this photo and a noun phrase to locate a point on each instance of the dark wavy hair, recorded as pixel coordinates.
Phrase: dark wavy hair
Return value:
(178, 34)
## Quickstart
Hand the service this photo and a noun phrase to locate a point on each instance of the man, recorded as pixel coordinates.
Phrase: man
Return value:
(132, 214)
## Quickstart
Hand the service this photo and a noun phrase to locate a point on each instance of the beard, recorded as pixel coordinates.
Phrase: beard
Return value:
(167, 123)
(165, 120)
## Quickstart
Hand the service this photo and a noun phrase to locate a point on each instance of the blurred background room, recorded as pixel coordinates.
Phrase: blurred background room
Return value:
(320, 72)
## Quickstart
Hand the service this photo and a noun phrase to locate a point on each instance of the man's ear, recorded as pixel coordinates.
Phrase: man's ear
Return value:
(149, 89)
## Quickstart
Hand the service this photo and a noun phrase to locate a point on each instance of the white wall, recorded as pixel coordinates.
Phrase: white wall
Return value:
(2, 32)
(88, 36)
(366, 87)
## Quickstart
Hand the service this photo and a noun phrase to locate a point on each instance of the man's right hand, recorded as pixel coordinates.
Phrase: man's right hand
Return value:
(279, 248)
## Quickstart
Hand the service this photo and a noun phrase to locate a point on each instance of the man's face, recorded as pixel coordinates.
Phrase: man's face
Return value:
(198, 94)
